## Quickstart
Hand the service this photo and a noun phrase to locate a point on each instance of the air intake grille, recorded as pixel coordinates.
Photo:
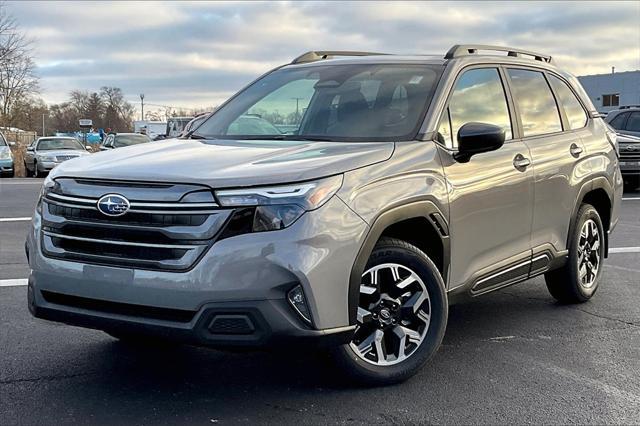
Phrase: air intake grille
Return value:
(158, 232)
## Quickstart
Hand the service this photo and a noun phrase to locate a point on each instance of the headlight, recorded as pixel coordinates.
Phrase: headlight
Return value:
(47, 186)
(48, 158)
(276, 207)
(6, 154)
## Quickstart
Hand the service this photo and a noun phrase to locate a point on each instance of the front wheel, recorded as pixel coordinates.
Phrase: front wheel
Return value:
(402, 315)
(578, 280)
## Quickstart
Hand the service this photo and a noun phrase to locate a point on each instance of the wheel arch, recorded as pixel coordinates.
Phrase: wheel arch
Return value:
(598, 193)
(421, 224)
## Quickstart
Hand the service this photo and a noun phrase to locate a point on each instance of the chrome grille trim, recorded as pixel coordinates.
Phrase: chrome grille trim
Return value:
(121, 243)
(137, 207)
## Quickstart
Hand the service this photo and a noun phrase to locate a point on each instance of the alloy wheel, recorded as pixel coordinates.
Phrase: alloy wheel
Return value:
(393, 314)
(589, 253)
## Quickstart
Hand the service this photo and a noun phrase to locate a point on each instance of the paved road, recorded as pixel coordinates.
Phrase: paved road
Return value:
(513, 356)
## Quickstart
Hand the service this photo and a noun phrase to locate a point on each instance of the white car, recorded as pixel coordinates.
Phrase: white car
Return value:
(47, 152)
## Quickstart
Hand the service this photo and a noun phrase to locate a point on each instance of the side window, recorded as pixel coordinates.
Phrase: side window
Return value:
(576, 115)
(618, 122)
(479, 97)
(536, 104)
(633, 124)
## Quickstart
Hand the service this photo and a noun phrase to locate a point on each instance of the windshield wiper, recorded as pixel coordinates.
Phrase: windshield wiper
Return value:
(286, 138)
(193, 135)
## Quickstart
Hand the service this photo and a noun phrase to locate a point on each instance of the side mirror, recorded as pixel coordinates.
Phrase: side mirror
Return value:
(476, 138)
(30, 148)
(87, 148)
(12, 143)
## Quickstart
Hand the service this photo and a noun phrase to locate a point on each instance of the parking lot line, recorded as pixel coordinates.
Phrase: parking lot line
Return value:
(13, 283)
(624, 250)
(14, 219)
(630, 198)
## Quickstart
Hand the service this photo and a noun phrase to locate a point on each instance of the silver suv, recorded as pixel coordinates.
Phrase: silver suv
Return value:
(366, 193)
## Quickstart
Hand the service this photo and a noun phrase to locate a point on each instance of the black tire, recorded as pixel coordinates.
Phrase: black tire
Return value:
(565, 284)
(390, 250)
(36, 173)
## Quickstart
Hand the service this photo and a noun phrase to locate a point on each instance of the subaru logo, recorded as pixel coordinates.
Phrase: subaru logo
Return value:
(113, 205)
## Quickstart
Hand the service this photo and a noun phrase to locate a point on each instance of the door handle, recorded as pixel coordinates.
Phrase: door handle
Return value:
(521, 162)
(575, 150)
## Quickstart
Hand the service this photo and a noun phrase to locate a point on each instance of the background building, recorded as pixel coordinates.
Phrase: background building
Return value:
(609, 91)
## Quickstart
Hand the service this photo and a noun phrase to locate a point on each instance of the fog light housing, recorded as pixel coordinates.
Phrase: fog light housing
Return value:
(299, 302)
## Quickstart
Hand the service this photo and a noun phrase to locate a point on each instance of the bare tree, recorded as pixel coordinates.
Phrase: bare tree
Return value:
(17, 68)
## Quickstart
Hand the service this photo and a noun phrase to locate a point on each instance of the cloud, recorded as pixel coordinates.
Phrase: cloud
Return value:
(196, 54)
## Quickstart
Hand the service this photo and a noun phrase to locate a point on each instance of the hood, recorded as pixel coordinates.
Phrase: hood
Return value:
(227, 163)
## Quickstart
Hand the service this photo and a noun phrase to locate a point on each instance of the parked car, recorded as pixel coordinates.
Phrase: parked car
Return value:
(625, 120)
(118, 140)
(410, 182)
(49, 152)
(630, 159)
(6, 158)
(176, 125)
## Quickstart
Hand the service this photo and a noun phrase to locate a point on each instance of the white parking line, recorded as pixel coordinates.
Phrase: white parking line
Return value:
(23, 182)
(15, 219)
(624, 250)
(13, 283)
(630, 198)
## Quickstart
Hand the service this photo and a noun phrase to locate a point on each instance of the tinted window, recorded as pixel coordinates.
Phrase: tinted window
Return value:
(633, 124)
(535, 101)
(572, 108)
(369, 102)
(618, 121)
(126, 140)
(479, 97)
(51, 144)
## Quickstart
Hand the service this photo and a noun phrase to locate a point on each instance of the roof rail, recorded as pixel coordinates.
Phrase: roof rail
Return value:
(472, 49)
(629, 106)
(318, 55)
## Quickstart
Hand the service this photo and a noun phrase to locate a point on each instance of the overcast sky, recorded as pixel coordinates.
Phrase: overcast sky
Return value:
(197, 54)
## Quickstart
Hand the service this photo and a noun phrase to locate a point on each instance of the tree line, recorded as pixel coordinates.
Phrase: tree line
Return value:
(21, 105)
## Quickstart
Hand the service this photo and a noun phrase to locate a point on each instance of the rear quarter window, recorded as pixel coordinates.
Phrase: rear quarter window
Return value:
(573, 109)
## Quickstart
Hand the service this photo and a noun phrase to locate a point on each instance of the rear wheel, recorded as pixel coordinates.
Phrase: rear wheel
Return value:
(36, 173)
(578, 280)
(402, 315)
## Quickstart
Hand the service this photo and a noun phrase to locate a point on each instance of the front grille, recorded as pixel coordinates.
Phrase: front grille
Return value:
(60, 158)
(630, 155)
(152, 312)
(159, 232)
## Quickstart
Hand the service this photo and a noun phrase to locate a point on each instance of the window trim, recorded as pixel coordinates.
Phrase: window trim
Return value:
(521, 135)
(507, 97)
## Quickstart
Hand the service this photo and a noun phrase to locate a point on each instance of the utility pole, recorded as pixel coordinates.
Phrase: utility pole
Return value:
(142, 106)
(297, 108)
(43, 125)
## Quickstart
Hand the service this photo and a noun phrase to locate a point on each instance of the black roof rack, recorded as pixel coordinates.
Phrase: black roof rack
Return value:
(317, 55)
(472, 49)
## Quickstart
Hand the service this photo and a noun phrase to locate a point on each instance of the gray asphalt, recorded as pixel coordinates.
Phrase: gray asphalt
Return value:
(514, 356)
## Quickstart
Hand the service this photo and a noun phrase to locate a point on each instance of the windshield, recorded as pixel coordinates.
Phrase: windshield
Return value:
(368, 102)
(127, 140)
(55, 144)
(3, 142)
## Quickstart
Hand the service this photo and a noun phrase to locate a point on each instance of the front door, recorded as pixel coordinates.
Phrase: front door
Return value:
(491, 196)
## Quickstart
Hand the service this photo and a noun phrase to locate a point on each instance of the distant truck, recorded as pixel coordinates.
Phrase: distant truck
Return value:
(153, 129)
(175, 126)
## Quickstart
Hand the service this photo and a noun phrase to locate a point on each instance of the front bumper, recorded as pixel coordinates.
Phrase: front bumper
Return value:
(246, 276)
(6, 166)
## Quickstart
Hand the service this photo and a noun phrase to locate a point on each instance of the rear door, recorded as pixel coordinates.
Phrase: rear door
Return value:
(550, 120)
(491, 195)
